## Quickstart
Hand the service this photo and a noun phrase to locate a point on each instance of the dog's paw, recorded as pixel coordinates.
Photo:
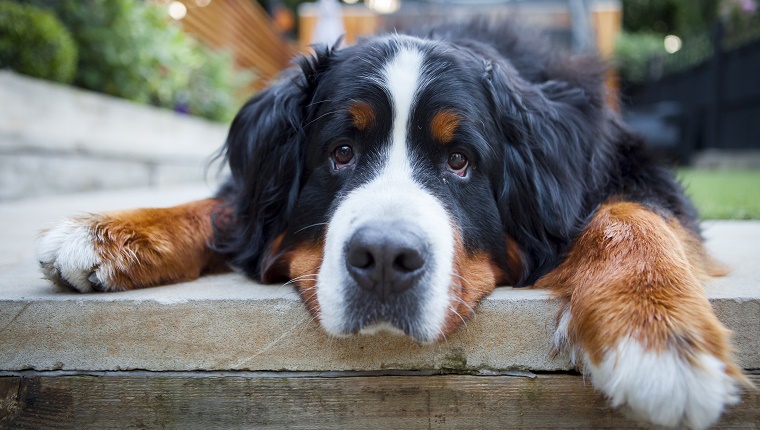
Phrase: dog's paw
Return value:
(665, 388)
(69, 255)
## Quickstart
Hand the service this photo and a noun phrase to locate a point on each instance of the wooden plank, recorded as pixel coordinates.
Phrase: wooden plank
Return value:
(9, 401)
(198, 401)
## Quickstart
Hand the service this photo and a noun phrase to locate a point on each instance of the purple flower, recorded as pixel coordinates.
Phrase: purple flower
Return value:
(748, 6)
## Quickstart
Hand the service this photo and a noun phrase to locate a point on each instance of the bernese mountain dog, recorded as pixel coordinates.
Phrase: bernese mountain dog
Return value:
(398, 181)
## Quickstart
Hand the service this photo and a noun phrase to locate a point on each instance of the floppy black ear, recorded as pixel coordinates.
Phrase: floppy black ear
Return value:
(553, 149)
(265, 152)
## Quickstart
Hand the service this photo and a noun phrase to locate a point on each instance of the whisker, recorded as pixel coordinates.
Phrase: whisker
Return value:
(463, 278)
(445, 339)
(459, 299)
(305, 275)
(307, 324)
(291, 282)
(316, 103)
(309, 226)
(460, 316)
(472, 310)
(310, 297)
(298, 278)
(322, 116)
(275, 342)
(309, 289)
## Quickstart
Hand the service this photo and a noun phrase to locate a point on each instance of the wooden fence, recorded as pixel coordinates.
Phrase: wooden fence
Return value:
(244, 28)
(717, 89)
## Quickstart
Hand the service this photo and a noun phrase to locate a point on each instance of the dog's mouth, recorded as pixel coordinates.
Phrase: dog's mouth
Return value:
(371, 298)
(427, 311)
(367, 313)
(372, 318)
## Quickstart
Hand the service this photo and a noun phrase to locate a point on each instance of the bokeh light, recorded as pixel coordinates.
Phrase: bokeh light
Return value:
(672, 43)
(177, 10)
(384, 6)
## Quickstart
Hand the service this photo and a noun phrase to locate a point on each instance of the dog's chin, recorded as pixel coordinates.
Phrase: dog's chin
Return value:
(383, 327)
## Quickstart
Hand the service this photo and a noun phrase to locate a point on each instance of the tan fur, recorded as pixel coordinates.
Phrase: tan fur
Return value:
(514, 263)
(475, 277)
(274, 262)
(631, 274)
(704, 265)
(149, 247)
(304, 263)
(443, 126)
(362, 114)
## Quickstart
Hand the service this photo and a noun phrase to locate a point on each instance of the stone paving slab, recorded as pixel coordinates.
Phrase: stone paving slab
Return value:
(228, 322)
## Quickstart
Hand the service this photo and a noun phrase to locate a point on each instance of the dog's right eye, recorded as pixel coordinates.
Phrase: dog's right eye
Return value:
(458, 163)
(343, 156)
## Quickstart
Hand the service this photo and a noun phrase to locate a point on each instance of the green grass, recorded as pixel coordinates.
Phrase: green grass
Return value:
(723, 194)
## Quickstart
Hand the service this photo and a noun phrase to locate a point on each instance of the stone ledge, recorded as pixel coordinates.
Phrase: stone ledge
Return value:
(227, 322)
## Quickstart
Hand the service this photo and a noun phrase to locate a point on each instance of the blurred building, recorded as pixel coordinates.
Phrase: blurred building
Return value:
(578, 25)
(574, 24)
(258, 41)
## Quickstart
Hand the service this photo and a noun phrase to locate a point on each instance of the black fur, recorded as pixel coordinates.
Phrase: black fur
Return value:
(547, 149)
(265, 153)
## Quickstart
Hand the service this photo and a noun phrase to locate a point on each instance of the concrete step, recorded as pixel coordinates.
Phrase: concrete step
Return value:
(60, 139)
(227, 322)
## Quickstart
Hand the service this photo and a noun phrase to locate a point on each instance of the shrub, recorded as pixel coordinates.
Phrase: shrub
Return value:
(633, 53)
(668, 16)
(215, 86)
(34, 42)
(125, 48)
(129, 49)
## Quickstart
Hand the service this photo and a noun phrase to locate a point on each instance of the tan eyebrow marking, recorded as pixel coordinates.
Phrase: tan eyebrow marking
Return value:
(444, 125)
(362, 114)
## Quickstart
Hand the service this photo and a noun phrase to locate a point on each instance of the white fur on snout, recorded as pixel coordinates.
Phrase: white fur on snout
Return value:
(392, 197)
(67, 252)
(394, 202)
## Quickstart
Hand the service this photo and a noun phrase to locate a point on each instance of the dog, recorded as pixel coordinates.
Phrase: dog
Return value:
(398, 181)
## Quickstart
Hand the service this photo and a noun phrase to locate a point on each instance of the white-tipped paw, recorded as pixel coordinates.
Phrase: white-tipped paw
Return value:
(68, 256)
(664, 388)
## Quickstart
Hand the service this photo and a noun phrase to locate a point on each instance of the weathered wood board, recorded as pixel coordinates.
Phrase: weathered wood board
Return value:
(371, 402)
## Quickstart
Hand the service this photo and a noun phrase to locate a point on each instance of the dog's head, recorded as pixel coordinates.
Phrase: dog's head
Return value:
(398, 181)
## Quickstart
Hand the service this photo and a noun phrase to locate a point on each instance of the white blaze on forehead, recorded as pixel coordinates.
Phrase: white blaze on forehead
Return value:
(391, 197)
(401, 77)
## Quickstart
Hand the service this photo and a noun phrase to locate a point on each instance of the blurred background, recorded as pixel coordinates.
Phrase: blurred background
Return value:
(104, 94)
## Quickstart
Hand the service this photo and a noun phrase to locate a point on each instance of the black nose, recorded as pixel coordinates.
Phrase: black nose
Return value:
(385, 259)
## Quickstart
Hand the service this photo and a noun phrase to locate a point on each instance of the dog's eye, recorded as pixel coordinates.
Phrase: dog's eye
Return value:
(343, 156)
(458, 163)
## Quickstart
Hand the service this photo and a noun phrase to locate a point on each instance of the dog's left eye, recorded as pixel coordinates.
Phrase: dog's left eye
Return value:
(458, 163)
(343, 156)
